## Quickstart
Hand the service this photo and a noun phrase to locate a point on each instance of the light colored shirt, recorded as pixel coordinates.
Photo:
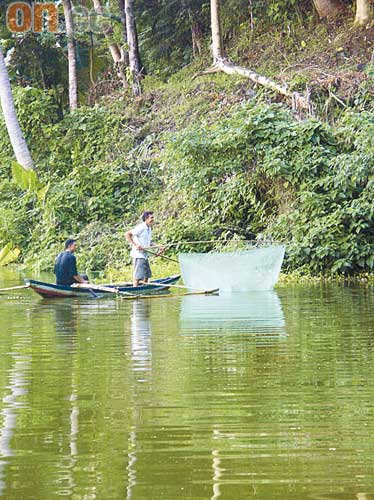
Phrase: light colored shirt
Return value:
(142, 235)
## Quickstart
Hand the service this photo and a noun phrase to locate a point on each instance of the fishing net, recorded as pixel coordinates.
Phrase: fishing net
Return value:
(254, 269)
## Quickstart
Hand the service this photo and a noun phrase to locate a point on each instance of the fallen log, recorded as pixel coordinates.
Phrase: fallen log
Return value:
(298, 100)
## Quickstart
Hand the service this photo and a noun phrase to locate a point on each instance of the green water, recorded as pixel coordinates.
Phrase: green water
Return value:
(267, 396)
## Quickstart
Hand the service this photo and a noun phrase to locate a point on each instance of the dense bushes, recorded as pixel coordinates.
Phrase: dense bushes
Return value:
(260, 170)
(95, 170)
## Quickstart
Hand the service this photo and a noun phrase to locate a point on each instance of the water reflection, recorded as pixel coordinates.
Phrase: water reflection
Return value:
(12, 404)
(141, 347)
(247, 312)
(141, 363)
(194, 397)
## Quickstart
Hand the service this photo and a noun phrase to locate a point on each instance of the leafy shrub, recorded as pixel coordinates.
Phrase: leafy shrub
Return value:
(259, 170)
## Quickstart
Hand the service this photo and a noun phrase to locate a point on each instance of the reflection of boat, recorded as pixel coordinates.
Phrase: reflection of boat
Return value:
(256, 312)
(254, 269)
(51, 290)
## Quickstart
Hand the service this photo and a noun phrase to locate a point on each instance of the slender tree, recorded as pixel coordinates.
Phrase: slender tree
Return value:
(217, 46)
(221, 63)
(72, 55)
(362, 12)
(132, 39)
(17, 139)
(124, 52)
(118, 54)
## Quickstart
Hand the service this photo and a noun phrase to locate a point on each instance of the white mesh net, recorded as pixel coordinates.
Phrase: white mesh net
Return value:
(254, 269)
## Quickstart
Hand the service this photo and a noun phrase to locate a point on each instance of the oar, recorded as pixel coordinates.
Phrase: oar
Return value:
(18, 287)
(160, 255)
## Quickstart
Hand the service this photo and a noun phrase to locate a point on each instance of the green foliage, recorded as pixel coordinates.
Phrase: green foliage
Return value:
(261, 171)
(8, 254)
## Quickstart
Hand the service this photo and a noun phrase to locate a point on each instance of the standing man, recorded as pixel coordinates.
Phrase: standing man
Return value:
(66, 266)
(140, 238)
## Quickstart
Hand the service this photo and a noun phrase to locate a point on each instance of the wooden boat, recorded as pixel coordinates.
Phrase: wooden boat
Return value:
(49, 290)
(255, 269)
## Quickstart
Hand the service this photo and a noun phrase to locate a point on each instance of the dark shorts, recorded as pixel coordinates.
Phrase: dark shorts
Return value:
(142, 269)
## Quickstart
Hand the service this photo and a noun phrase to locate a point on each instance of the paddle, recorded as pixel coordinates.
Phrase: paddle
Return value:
(91, 292)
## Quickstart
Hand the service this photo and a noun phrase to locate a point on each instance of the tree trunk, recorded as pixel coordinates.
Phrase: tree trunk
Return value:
(132, 39)
(217, 49)
(72, 56)
(115, 51)
(17, 139)
(124, 53)
(327, 8)
(362, 12)
(196, 34)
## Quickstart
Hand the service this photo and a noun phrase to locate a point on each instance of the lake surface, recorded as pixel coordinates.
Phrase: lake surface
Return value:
(267, 395)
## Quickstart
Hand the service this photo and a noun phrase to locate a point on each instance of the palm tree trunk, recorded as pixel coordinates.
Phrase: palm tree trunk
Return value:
(217, 46)
(72, 56)
(17, 139)
(132, 38)
(362, 12)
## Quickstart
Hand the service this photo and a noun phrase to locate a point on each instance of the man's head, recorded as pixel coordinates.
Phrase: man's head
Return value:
(70, 245)
(148, 218)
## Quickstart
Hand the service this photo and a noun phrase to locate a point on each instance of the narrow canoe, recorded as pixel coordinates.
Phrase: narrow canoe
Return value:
(49, 290)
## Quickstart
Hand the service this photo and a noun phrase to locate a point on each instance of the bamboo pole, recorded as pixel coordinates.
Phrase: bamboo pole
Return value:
(19, 287)
(127, 295)
(102, 288)
(160, 255)
(174, 286)
(183, 243)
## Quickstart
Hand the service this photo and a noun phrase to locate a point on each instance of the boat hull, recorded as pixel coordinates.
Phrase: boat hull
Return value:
(51, 290)
(254, 269)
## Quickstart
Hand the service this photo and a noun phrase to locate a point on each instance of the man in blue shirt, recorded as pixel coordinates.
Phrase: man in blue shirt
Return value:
(66, 266)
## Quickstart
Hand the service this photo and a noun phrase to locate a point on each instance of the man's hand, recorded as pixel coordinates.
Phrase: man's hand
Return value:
(161, 251)
(139, 247)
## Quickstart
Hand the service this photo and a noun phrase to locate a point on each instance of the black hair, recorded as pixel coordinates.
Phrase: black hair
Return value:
(69, 242)
(145, 215)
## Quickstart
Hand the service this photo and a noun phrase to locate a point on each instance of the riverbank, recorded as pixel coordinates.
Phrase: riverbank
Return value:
(214, 156)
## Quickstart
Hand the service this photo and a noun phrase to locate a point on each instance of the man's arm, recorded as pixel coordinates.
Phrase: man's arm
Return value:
(129, 235)
(79, 278)
(76, 276)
